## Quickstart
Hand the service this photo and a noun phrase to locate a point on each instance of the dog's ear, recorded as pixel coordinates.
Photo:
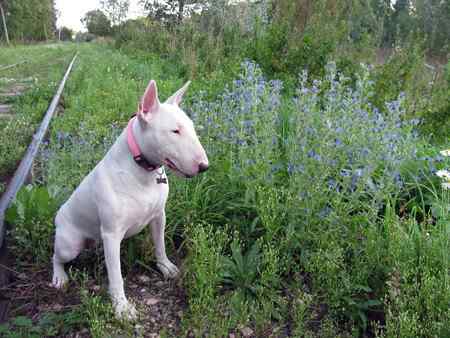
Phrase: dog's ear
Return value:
(149, 103)
(178, 96)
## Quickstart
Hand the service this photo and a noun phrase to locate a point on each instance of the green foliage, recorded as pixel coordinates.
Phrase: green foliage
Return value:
(241, 270)
(39, 76)
(317, 212)
(205, 261)
(98, 313)
(23, 327)
(92, 313)
(33, 203)
(279, 55)
(437, 114)
(85, 37)
(396, 75)
(50, 324)
(407, 72)
(32, 214)
(116, 10)
(30, 19)
(97, 23)
(169, 12)
(66, 34)
(314, 210)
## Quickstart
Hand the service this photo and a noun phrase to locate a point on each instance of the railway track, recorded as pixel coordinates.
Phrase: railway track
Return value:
(17, 181)
(12, 66)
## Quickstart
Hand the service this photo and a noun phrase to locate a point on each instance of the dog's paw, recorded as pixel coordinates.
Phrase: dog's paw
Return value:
(60, 279)
(168, 269)
(124, 310)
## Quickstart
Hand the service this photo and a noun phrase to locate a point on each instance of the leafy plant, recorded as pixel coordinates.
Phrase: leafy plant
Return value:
(32, 203)
(240, 271)
(50, 324)
(31, 215)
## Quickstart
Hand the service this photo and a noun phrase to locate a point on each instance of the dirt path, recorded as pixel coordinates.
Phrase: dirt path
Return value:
(160, 302)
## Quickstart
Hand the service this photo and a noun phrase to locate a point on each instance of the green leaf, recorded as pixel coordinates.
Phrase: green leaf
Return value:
(373, 302)
(363, 288)
(22, 321)
(4, 328)
(363, 318)
(12, 214)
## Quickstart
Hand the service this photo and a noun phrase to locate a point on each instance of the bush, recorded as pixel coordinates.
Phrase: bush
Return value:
(278, 55)
(84, 37)
(436, 115)
(311, 187)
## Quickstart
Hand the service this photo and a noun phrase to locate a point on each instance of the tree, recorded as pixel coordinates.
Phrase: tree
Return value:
(171, 11)
(5, 28)
(382, 10)
(97, 23)
(402, 19)
(115, 10)
(30, 19)
(65, 34)
(433, 24)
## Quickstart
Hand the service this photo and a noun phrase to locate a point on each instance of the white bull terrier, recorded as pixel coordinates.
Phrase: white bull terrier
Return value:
(128, 189)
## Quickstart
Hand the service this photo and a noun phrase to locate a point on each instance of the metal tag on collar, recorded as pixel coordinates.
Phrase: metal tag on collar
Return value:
(161, 179)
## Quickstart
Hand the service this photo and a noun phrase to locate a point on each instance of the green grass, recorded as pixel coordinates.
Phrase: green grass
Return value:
(40, 76)
(256, 252)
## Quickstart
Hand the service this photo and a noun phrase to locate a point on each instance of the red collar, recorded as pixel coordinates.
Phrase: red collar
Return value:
(138, 157)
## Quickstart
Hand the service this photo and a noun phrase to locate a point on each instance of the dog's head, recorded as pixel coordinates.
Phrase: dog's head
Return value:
(168, 134)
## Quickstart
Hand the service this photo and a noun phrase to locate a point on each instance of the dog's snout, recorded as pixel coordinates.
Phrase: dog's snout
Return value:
(202, 167)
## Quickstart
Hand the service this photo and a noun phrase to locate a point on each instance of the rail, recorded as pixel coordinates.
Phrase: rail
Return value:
(25, 165)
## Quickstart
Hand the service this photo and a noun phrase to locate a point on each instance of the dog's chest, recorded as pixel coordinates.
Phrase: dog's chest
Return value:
(142, 203)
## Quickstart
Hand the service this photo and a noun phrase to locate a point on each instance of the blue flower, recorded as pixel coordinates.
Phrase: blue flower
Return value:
(332, 185)
(325, 212)
(345, 173)
(276, 168)
(314, 155)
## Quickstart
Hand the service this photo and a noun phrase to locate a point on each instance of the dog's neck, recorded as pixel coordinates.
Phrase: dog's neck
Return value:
(120, 157)
(147, 162)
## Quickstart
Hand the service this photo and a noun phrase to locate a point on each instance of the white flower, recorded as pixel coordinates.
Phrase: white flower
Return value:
(446, 186)
(445, 152)
(445, 174)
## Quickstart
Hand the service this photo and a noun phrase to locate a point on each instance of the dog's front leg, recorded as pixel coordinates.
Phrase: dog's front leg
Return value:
(111, 245)
(168, 269)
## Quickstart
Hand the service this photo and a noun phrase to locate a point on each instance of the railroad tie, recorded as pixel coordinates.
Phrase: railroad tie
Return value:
(11, 94)
(5, 109)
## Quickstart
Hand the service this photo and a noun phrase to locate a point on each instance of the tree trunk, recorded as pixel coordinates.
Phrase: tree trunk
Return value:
(4, 24)
(45, 32)
(180, 10)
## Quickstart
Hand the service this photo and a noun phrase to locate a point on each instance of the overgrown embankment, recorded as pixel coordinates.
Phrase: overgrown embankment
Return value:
(320, 215)
(26, 91)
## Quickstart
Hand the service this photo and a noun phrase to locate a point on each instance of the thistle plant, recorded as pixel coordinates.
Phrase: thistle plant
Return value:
(445, 174)
(345, 156)
(240, 127)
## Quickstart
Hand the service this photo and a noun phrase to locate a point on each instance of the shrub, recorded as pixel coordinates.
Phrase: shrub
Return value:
(345, 160)
(32, 214)
(318, 178)
(436, 114)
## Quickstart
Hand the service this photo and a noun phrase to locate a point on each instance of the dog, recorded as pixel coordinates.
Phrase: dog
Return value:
(128, 189)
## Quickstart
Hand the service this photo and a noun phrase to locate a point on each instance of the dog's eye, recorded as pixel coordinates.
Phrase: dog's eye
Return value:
(176, 131)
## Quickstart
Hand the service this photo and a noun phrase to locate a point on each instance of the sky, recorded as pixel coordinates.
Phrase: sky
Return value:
(70, 11)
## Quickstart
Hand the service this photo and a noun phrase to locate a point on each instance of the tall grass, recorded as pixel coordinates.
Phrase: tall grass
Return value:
(313, 187)
(37, 80)
(318, 217)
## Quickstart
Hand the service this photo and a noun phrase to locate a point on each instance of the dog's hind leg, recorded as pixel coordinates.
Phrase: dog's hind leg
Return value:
(167, 268)
(68, 244)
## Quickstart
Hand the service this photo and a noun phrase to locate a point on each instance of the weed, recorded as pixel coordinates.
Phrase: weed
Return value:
(32, 214)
